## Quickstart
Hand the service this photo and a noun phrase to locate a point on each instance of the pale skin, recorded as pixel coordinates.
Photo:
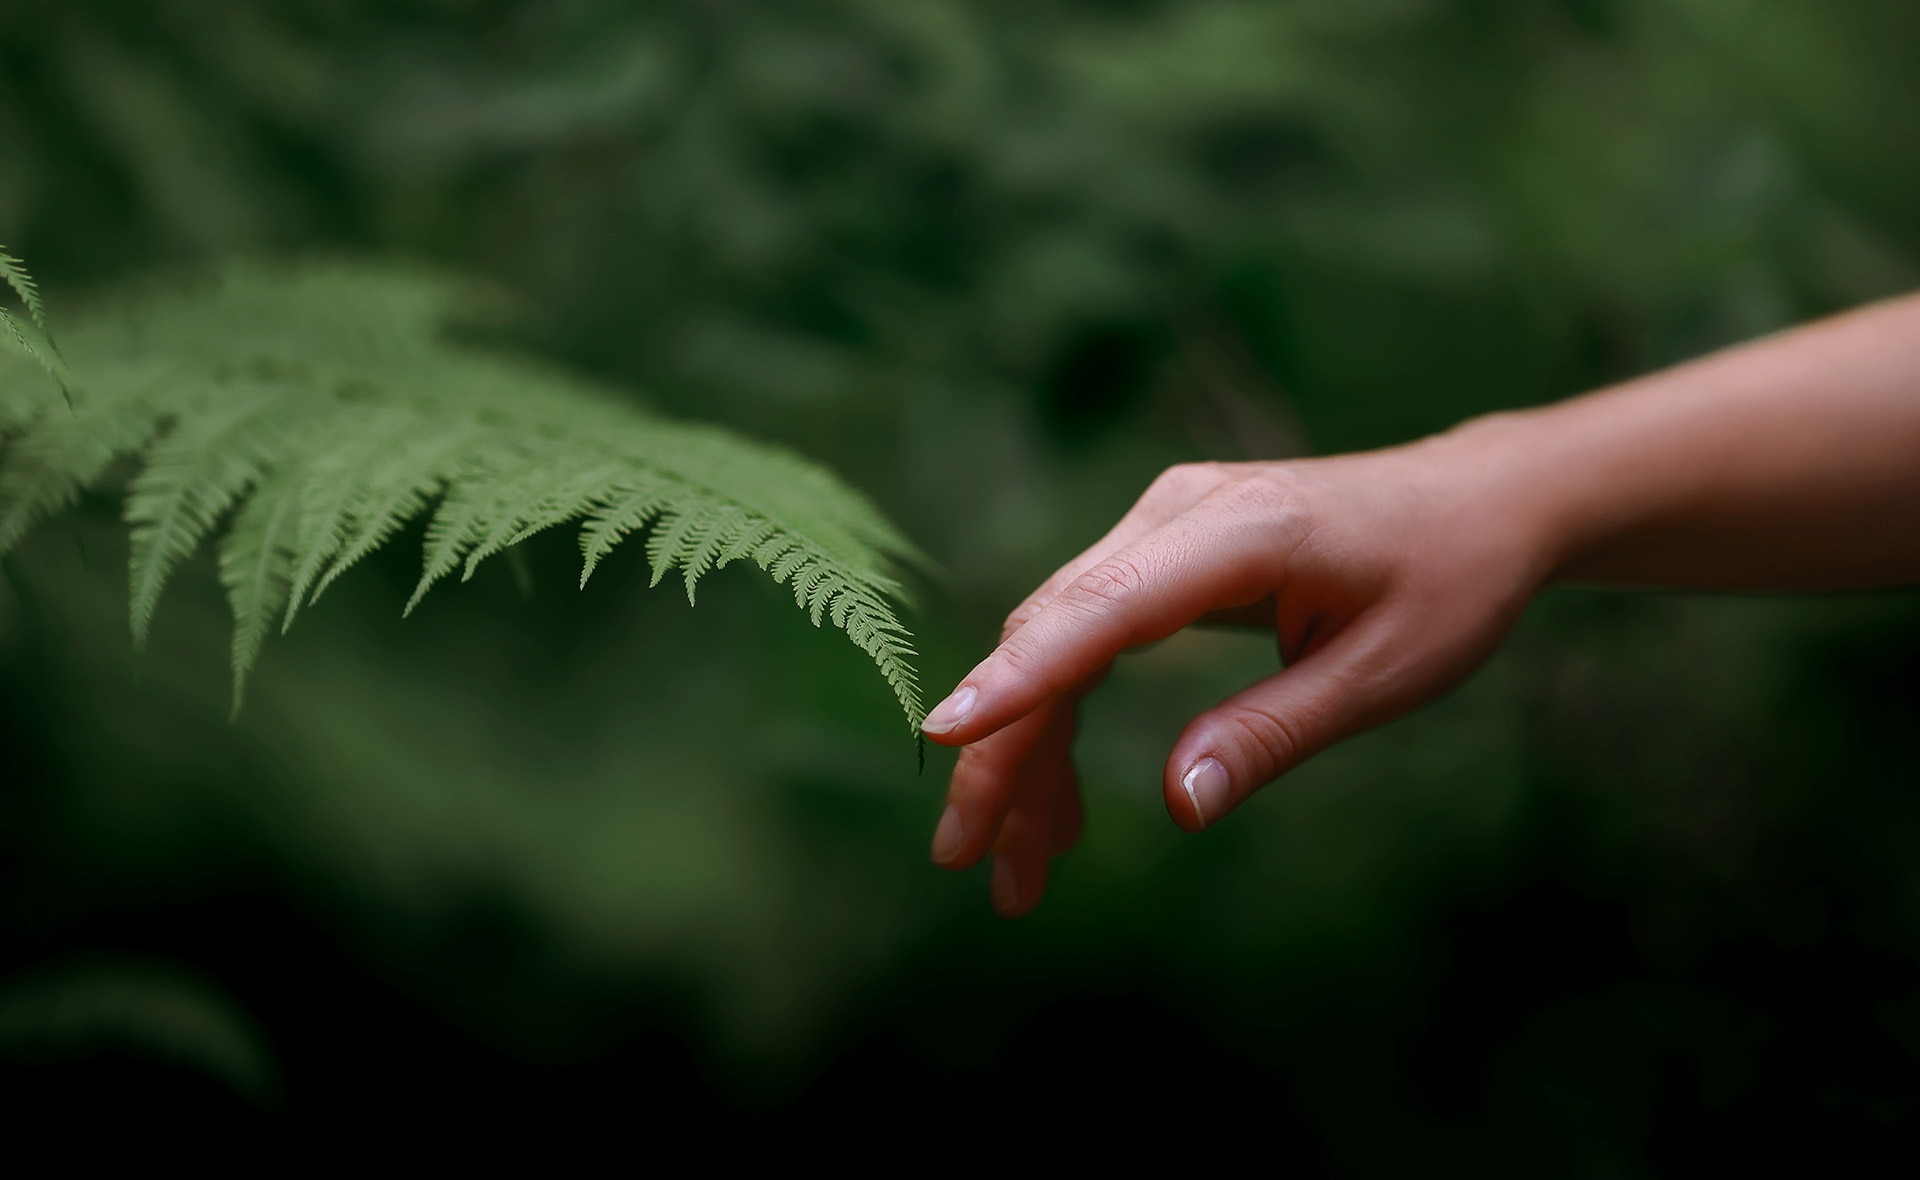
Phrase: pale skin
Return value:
(1787, 464)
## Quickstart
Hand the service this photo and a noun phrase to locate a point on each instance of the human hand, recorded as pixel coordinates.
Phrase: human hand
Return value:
(1386, 577)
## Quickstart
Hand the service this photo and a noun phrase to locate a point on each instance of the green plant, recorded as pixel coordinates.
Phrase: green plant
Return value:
(324, 406)
(31, 337)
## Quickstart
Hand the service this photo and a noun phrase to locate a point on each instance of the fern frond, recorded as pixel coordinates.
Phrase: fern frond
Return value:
(682, 534)
(750, 539)
(14, 273)
(617, 517)
(702, 555)
(345, 460)
(192, 475)
(323, 409)
(466, 511)
(530, 505)
(782, 559)
(614, 517)
(38, 343)
(256, 566)
(382, 494)
(46, 469)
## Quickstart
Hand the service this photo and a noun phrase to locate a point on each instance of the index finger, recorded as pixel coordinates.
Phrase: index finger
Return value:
(1172, 492)
(1219, 554)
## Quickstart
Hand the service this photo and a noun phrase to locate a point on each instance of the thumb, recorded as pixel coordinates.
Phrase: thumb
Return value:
(1267, 729)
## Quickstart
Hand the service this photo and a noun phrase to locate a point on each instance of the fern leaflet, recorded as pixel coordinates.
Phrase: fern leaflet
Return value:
(256, 567)
(33, 337)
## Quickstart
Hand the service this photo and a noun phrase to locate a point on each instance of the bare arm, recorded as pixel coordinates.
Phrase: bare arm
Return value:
(1790, 463)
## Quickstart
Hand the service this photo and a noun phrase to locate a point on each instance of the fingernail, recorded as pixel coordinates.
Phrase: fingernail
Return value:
(1208, 789)
(947, 837)
(1006, 885)
(948, 714)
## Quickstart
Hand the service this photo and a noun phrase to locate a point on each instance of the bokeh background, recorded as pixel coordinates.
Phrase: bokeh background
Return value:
(1642, 898)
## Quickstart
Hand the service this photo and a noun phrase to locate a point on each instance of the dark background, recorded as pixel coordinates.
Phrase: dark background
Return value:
(1642, 898)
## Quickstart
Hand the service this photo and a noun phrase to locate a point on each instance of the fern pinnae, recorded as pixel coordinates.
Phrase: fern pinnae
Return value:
(498, 502)
(49, 465)
(256, 567)
(616, 517)
(345, 449)
(551, 495)
(393, 493)
(574, 500)
(805, 580)
(821, 592)
(748, 542)
(45, 351)
(191, 476)
(680, 521)
(820, 602)
(843, 604)
(785, 561)
(19, 333)
(702, 553)
(874, 629)
(462, 517)
(448, 535)
(363, 533)
(14, 273)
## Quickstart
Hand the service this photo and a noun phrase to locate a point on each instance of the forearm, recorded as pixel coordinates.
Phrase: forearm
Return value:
(1791, 463)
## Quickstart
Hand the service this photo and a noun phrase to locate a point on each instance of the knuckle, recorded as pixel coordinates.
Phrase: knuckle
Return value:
(1110, 583)
(1171, 480)
(1021, 616)
(1019, 659)
(1267, 493)
(1278, 738)
(1182, 479)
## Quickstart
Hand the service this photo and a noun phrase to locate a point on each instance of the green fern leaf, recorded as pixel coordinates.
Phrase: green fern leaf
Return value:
(385, 495)
(618, 515)
(256, 567)
(746, 542)
(345, 460)
(530, 506)
(810, 578)
(467, 510)
(323, 409)
(47, 468)
(679, 531)
(192, 475)
(715, 539)
(14, 273)
(37, 341)
(782, 559)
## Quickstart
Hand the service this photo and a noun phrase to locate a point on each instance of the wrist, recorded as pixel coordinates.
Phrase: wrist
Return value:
(1528, 471)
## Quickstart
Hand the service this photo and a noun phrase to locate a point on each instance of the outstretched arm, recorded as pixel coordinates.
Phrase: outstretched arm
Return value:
(1792, 463)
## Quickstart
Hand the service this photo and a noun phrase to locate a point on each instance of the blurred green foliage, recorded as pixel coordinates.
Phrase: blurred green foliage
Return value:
(74, 1010)
(1640, 896)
